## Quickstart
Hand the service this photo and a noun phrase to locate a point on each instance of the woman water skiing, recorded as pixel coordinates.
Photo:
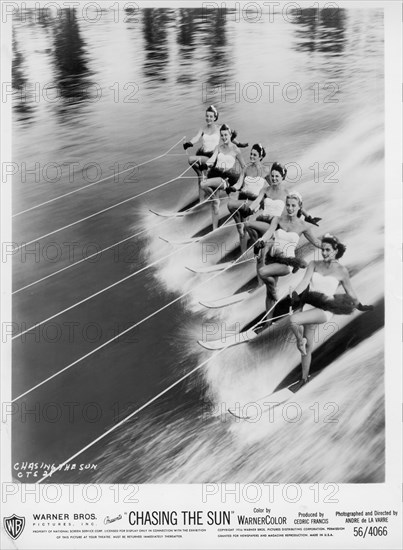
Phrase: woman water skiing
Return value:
(210, 139)
(323, 277)
(276, 249)
(223, 171)
(253, 184)
(273, 203)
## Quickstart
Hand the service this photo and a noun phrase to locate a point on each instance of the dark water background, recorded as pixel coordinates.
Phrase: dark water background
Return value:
(112, 94)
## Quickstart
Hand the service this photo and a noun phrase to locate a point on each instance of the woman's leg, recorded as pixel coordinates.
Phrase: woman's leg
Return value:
(199, 168)
(234, 205)
(247, 231)
(243, 242)
(306, 360)
(303, 324)
(269, 275)
(212, 186)
(196, 167)
(260, 258)
(254, 235)
(199, 162)
(215, 213)
(253, 227)
(271, 294)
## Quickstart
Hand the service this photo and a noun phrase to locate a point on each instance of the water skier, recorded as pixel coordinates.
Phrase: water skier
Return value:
(223, 170)
(323, 277)
(276, 249)
(273, 203)
(252, 185)
(209, 136)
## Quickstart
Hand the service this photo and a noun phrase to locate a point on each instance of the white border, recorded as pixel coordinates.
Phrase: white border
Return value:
(352, 494)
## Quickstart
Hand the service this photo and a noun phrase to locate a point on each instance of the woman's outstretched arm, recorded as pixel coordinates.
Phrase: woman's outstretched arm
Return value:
(311, 237)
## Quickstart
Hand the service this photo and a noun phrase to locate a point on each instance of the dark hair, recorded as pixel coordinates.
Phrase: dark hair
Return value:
(279, 168)
(260, 149)
(225, 127)
(335, 244)
(212, 109)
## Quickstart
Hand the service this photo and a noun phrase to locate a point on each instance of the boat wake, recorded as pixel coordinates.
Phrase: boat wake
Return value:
(335, 429)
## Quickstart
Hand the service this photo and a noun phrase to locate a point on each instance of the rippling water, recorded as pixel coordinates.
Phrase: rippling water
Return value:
(125, 90)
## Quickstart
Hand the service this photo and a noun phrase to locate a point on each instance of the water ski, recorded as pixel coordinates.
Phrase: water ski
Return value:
(180, 214)
(227, 300)
(184, 241)
(251, 330)
(254, 410)
(216, 267)
(167, 214)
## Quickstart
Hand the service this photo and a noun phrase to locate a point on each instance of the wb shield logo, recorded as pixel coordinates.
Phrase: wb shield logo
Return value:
(14, 526)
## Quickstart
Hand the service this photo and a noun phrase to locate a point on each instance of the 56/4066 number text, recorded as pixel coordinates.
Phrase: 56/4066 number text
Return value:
(373, 531)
